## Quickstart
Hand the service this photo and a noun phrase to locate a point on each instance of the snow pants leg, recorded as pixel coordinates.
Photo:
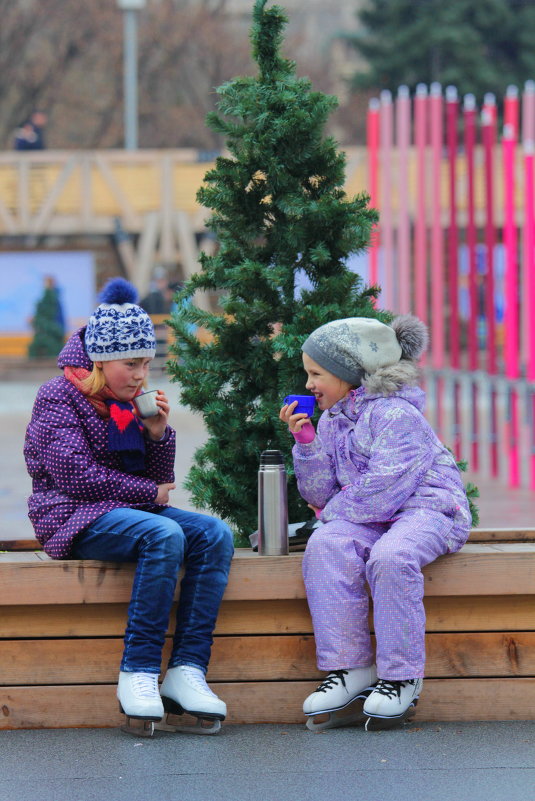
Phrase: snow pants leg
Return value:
(340, 558)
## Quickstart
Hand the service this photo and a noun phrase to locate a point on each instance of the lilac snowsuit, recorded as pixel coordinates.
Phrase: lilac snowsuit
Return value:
(393, 501)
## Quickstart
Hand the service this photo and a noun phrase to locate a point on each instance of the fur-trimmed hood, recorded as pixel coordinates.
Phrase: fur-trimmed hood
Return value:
(413, 338)
(389, 380)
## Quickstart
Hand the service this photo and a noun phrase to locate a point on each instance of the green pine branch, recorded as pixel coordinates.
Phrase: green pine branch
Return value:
(281, 218)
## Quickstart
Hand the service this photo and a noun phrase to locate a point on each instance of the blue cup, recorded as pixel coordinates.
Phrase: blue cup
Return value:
(305, 403)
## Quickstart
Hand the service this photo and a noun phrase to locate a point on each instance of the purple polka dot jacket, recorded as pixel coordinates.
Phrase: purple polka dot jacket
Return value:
(374, 457)
(75, 478)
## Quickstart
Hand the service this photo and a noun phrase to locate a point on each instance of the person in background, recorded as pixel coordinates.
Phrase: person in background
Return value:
(30, 135)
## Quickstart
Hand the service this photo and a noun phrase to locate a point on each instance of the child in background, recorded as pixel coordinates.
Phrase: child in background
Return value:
(391, 500)
(101, 484)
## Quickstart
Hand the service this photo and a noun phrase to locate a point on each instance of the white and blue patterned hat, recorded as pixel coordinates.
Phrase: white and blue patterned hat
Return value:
(119, 328)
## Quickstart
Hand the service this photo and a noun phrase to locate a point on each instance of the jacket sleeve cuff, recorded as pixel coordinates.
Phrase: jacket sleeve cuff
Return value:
(305, 435)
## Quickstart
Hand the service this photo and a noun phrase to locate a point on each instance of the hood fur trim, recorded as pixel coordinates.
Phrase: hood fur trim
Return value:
(412, 335)
(388, 380)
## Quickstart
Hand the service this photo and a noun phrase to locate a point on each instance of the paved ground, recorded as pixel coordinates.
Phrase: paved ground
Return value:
(431, 762)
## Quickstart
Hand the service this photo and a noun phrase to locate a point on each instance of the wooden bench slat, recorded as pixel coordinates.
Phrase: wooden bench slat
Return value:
(502, 535)
(264, 702)
(444, 613)
(29, 543)
(260, 658)
(479, 569)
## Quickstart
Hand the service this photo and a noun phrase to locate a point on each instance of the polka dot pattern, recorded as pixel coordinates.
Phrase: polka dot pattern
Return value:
(75, 479)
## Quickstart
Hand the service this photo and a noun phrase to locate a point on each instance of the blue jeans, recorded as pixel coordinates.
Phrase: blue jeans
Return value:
(160, 543)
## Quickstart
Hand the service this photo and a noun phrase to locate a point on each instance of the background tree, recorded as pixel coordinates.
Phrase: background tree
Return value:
(48, 323)
(66, 58)
(476, 45)
(282, 219)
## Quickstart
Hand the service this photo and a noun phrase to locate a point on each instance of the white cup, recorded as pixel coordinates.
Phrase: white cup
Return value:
(146, 403)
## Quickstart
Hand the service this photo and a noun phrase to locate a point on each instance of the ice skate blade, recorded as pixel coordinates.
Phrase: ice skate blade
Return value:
(138, 727)
(349, 715)
(202, 725)
(375, 723)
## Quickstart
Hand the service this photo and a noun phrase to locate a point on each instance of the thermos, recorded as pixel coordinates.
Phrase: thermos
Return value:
(272, 505)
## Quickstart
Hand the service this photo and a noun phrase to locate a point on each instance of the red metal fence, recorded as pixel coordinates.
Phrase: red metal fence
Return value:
(456, 246)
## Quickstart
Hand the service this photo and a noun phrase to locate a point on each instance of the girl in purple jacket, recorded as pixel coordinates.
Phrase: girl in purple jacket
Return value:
(391, 500)
(101, 482)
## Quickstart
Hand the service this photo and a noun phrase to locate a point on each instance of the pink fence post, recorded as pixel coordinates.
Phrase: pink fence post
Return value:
(387, 232)
(511, 111)
(528, 137)
(469, 113)
(372, 136)
(488, 127)
(437, 259)
(403, 133)
(529, 286)
(452, 108)
(438, 297)
(511, 298)
(452, 112)
(420, 224)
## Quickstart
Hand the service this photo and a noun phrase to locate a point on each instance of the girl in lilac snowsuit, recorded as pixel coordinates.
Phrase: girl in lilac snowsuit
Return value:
(391, 500)
(101, 483)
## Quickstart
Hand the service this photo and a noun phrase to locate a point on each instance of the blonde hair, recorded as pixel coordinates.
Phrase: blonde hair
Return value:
(95, 381)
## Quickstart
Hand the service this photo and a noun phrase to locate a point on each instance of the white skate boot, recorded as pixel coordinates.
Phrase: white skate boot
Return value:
(391, 703)
(184, 689)
(139, 700)
(340, 690)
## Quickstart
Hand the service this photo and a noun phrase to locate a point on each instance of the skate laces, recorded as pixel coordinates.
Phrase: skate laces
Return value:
(195, 677)
(144, 685)
(391, 689)
(332, 680)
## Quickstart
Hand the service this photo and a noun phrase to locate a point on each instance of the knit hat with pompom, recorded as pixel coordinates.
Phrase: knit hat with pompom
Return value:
(355, 346)
(119, 328)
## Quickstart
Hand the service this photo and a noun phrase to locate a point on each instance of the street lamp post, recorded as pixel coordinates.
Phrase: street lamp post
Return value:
(130, 10)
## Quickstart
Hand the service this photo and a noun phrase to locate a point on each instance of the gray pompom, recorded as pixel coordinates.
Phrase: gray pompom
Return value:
(412, 335)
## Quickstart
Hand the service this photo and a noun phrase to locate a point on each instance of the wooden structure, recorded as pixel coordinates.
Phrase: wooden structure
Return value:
(151, 193)
(61, 627)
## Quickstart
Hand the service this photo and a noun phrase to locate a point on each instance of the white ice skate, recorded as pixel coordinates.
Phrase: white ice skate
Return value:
(140, 701)
(184, 689)
(339, 697)
(391, 703)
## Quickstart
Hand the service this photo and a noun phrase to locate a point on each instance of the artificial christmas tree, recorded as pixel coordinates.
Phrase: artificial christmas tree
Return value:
(48, 324)
(285, 229)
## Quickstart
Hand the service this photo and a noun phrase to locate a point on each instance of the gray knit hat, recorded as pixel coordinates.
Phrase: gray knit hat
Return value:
(119, 328)
(350, 346)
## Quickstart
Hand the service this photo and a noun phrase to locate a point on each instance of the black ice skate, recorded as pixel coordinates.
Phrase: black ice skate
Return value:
(338, 700)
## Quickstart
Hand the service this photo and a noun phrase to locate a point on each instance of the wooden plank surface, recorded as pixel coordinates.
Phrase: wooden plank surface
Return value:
(13, 542)
(502, 535)
(260, 658)
(444, 613)
(264, 702)
(479, 569)
(17, 543)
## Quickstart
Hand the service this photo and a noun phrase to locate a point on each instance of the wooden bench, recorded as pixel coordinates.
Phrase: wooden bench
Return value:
(62, 622)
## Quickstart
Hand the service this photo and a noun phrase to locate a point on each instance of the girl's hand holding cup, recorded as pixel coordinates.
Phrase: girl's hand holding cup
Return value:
(156, 424)
(299, 423)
